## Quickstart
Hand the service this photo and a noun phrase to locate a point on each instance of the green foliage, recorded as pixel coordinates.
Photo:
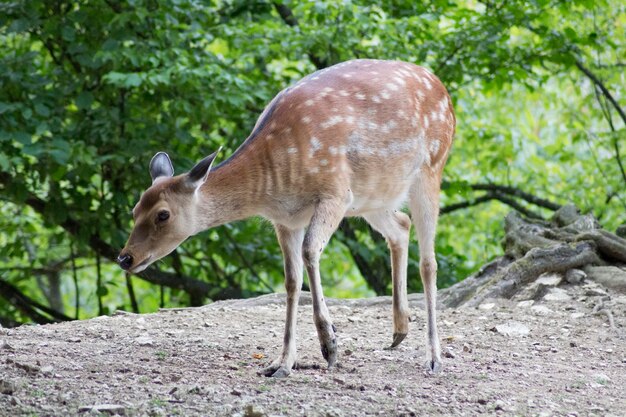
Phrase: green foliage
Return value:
(90, 90)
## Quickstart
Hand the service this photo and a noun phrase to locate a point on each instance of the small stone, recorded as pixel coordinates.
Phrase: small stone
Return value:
(47, 370)
(6, 387)
(448, 353)
(512, 328)
(467, 348)
(577, 315)
(541, 310)
(145, 341)
(549, 279)
(254, 411)
(526, 303)
(557, 294)
(596, 292)
(236, 392)
(575, 276)
(104, 408)
(499, 405)
(6, 345)
(486, 306)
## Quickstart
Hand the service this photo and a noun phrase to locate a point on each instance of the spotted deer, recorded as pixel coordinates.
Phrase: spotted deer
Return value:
(360, 138)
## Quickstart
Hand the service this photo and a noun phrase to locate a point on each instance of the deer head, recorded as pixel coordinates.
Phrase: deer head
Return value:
(166, 214)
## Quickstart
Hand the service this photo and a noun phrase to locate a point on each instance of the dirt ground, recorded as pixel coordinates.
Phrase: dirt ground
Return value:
(554, 356)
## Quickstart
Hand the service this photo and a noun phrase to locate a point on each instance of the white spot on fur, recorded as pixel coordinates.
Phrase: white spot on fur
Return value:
(399, 81)
(333, 150)
(343, 93)
(426, 122)
(286, 131)
(420, 95)
(314, 170)
(346, 75)
(331, 122)
(392, 86)
(389, 126)
(360, 96)
(350, 108)
(350, 119)
(273, 125)
(385, 94)
(323, 162)
(376, 99)
(443, 104)
(292, 150)
(434, 147)
(316, 145)
(309, 102)
(427, 83)
(306, 119)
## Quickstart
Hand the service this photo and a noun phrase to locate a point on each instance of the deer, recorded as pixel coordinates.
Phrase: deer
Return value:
(362, 138)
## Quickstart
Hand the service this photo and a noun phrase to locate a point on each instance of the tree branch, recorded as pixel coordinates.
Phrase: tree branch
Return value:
(287, 16)
(29, 306)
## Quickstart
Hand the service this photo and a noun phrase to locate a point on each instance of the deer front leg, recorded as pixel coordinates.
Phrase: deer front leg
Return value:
(326, 218)
(291, 245)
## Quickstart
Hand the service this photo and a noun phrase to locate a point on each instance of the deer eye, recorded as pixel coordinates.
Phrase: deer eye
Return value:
(163, 215)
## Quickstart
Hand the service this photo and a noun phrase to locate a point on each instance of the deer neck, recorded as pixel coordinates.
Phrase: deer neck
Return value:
(233, 191)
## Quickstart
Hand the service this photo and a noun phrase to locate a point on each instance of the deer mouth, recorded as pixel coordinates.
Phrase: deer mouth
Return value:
(142, 265)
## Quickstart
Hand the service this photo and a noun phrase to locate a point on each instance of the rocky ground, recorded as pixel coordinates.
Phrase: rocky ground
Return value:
(560, 352)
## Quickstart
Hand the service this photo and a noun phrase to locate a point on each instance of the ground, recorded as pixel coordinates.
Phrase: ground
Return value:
(552, 356)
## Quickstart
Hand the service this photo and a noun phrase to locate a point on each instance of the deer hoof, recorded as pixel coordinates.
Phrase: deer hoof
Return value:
(275, 371)
(397, 339)
(433, 366)
(329, 352)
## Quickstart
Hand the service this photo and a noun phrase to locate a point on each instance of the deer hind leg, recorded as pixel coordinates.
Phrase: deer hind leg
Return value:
(291, 245)
(326, 217)
(424, 204)
(395, 226)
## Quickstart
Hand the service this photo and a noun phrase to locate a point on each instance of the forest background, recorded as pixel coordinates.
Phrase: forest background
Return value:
(91, 89)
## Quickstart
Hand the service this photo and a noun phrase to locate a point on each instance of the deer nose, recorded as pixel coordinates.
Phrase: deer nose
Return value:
(125, 261)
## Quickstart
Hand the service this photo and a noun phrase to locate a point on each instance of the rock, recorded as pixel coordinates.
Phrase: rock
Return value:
(621, 231)
(254, 411)
(145, 341)
(610, 276)
(549, 279)
(512, 328)
(577, 315)
(526, 303)
(6, 345)
(486, 306)
(575, 276)
(541, 310)
(448, 352)
(236, 392)
(7, 387)
(557, 294)
(104, 408)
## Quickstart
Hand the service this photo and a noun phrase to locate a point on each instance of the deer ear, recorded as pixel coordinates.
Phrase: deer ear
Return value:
(200, 171)
(161, 166)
